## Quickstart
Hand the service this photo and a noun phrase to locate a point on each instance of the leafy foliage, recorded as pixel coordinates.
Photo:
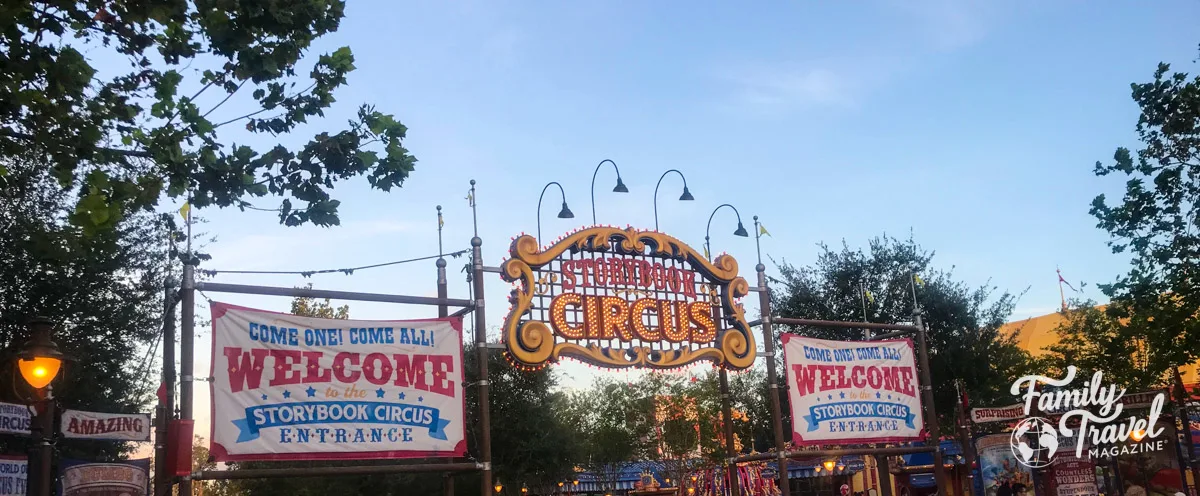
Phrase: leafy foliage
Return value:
(125, 135)
(614, 422)
(1093, 340)
(202, 460)
(963, 322)
(532, 441)
(309, 307)
(1158, 220)
(104, 292)
(670, 418)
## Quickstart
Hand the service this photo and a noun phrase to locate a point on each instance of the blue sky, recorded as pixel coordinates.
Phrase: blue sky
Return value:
(974, 125)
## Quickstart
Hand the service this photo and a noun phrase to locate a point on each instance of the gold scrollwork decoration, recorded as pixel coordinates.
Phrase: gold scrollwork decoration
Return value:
(534, 342)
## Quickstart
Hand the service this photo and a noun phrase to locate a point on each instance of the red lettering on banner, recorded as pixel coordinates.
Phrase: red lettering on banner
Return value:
(312, 362)
(410, 371)
(378, 369)
(443, 365)
(340, 368)
(831, 377)
(245, 369)
(285, 367)
(805, 379)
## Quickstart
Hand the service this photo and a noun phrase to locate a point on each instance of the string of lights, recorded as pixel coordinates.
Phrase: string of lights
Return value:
(347, 271)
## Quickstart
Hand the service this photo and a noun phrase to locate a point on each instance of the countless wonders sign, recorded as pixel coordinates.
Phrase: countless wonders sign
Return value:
(847, 392)
(299, 388)
(624, 298)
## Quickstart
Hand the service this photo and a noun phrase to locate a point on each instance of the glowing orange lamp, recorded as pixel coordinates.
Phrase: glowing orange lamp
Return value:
(39, 361)
(498, 486)
(829, 465)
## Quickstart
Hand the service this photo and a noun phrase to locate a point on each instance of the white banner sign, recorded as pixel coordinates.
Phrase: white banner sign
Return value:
(299, 388)
(112, 426)
(14, 419)
(13, 474)
(850, 392)
(1011, 412)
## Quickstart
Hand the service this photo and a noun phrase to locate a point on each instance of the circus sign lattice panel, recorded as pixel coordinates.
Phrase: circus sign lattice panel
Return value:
(624, 298)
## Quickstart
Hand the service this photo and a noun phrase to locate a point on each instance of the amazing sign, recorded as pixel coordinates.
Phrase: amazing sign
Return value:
(624, 298)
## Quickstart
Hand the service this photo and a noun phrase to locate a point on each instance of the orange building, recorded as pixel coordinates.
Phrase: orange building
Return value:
(1037, 334)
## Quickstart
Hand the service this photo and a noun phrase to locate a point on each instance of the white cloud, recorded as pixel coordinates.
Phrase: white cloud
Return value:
(948, 24)
(781, 89)
(918, 29)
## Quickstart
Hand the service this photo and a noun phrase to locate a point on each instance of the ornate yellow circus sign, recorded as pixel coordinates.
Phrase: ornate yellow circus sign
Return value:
(625, 298)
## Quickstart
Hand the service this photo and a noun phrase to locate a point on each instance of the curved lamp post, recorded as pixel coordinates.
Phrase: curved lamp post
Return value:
(39, 362)
(741, 230)
(686, 196)
(565, 213)
(726, 407)
(620, 188)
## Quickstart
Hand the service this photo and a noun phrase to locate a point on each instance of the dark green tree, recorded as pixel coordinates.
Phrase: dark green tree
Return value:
(533, 440)
(158, 122)
(104, 292)
(963, 321)
(615, 424)
(1093, 341)
(1157, 221)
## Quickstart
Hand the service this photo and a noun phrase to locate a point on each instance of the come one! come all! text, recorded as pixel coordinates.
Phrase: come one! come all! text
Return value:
(426, 372)
(292, 336)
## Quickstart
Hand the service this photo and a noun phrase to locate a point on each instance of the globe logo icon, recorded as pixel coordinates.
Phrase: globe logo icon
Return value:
(1047, 442)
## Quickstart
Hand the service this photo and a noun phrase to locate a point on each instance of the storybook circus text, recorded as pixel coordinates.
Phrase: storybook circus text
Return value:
(297, 387)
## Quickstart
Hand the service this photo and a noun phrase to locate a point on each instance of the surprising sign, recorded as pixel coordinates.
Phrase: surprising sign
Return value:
(14, 419)
(14, 472)
(624, 298)
(111, 426)
(298, 388)
(852, 392)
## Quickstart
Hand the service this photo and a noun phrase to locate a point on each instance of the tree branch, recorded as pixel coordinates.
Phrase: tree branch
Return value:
(252, 114)
(226, 99)
(29, 137)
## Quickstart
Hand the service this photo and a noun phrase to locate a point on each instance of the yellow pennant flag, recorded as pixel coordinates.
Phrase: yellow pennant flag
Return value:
(440, 221)
(870, 297)
(185, 210)
(763, 230)
(471, 198)
(707, 256)
(917, 278)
